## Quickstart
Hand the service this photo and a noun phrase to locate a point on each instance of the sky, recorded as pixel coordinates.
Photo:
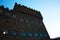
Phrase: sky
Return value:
(50, 10)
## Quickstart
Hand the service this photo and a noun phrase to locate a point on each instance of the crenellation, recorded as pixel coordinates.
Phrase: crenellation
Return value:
(7, 8)
(26, 7)
(1, 6)
(23, 6)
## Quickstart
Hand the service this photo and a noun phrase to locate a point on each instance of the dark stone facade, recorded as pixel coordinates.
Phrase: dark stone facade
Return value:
(22, 23)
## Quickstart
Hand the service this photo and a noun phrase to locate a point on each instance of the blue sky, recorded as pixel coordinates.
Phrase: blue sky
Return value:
(50, 10)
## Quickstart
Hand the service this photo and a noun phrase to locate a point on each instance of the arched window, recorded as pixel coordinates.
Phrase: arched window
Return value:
(30, 34)
(35, 34)
(41, 35)
(45, 34)
(23, 34)
(14, 33)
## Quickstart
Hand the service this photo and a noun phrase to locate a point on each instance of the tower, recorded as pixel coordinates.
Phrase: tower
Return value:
(22, 23)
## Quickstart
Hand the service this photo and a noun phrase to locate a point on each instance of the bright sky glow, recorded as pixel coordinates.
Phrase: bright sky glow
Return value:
(50, 10)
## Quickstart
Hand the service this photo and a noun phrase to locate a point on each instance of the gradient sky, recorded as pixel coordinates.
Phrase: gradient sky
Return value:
(50, 10)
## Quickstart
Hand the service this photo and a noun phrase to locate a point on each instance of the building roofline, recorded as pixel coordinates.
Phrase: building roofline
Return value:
(27, 10)
(27, 7)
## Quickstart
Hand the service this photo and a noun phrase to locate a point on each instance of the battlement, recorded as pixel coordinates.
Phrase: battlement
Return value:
(27, 7)
(2, 8)
(22, 8)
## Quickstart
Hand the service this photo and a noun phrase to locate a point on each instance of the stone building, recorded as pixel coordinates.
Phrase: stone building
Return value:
(22, 23)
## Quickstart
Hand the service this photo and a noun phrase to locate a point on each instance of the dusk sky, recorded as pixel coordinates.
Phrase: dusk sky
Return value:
(50, 10)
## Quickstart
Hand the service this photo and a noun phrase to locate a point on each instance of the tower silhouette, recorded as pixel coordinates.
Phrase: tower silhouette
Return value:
(22, 23)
